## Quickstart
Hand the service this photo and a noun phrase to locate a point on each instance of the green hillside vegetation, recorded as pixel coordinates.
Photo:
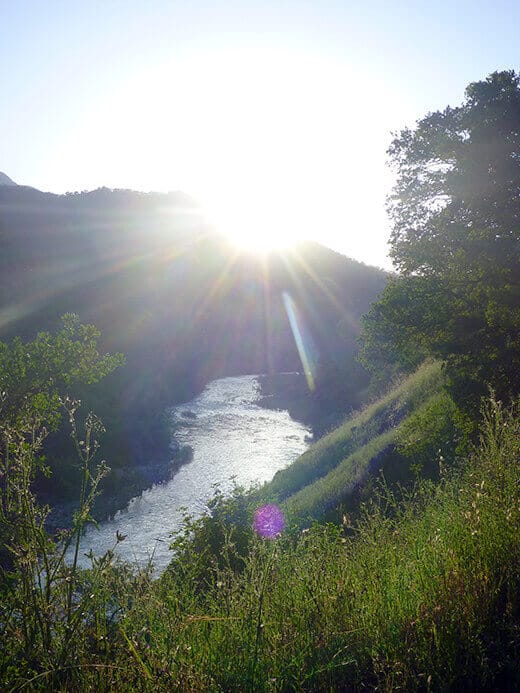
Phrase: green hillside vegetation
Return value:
(400, 452)
(424, 594)
(342, 459)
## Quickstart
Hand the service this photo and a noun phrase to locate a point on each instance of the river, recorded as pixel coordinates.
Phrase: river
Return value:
(232, 437)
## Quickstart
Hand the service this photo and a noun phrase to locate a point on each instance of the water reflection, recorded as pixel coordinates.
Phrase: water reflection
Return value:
(231, 437)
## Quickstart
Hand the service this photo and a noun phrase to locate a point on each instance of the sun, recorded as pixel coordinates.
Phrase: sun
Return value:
(256, 207)
(260, 244)
(255, 230)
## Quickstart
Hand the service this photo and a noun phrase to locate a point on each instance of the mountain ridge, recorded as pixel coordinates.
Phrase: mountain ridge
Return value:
(5, 180)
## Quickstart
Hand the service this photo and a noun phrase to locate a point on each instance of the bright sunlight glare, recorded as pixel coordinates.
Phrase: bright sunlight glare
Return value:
(253, 227)
(277, 146)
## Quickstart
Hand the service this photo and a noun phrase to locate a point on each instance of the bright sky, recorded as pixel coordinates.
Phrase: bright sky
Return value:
(275, 114)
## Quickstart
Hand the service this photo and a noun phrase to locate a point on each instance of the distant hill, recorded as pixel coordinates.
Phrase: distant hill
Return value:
(149, 271)
(5, 180)
(178, 299)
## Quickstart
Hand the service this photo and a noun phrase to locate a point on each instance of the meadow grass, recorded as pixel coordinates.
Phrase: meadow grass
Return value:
(315, 500)
(424, 440)
(422, 592)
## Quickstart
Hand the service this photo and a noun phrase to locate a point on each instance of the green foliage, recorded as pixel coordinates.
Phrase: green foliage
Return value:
(49, 607)
(423, 594)
(35, 378)
(458, 173)
(34, 375)
(343, 482)
(220, 538)
(430, 433)
(389, 343)
(456, 212)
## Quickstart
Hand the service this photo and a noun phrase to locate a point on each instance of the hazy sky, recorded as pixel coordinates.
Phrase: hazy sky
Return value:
(276, 115)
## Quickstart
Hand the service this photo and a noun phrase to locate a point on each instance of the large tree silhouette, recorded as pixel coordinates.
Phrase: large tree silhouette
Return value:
(455, 210)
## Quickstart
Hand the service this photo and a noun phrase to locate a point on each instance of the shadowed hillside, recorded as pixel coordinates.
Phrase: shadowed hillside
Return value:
(178, 300)
(147, 268)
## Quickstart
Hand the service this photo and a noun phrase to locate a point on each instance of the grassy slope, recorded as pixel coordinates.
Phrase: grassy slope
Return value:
(340, 462)
(425, 596)
(422, 594)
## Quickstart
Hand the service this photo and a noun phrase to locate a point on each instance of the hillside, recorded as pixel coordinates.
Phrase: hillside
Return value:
(179, 301)
(152, 275)
(334, 472)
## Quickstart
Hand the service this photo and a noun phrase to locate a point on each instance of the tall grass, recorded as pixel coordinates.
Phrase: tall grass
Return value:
(315, 500)
(50, 610)
(423, 593)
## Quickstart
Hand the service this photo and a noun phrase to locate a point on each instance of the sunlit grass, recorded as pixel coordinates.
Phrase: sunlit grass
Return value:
(421, 592)
(375, 426)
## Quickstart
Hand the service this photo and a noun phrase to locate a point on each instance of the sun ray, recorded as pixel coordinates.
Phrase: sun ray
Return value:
(354, 324)
(303, 340)
(215, 287)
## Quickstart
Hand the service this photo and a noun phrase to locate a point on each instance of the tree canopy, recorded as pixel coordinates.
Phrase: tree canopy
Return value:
(34, 374)
(455, 210)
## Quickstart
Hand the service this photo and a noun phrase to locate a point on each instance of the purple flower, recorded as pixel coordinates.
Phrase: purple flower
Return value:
(269, 521)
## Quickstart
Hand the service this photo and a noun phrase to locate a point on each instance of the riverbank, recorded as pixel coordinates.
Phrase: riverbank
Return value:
(234, 441)
(125, 485)
(290, 392)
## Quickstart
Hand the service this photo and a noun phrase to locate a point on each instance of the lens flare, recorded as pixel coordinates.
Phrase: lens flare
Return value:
(303, 339)
(269, 521)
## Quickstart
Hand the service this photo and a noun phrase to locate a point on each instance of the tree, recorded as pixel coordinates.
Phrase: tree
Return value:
(33, 375)
(455, 210)
(49, 609)
(35, 380)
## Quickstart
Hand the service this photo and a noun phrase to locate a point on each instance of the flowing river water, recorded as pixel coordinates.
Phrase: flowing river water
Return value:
(232, 437)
